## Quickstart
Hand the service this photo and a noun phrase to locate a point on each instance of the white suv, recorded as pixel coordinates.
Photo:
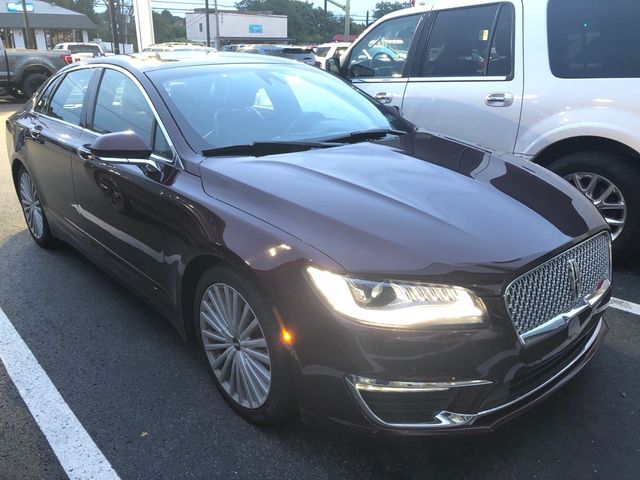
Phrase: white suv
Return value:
(553, 81)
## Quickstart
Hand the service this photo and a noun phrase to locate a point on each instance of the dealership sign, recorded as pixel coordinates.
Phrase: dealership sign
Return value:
(255, 28)
(17, 7)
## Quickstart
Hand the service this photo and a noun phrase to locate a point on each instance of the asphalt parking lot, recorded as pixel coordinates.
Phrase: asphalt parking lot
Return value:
(146, 399)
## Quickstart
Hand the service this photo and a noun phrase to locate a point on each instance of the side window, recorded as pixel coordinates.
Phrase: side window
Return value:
(594, 39)
(121, 106)
(501, 53)
(459, 42)
(43, 100)
(383, 51)
(66, 103)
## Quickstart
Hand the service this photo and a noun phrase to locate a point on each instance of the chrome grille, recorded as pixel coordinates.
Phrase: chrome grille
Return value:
(556, 286)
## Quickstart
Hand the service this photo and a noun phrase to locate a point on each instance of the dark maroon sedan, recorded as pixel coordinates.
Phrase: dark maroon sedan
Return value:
(328, 258)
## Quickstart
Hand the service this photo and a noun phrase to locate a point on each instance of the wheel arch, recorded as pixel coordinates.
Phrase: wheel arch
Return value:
(16, 164)
(579, 144)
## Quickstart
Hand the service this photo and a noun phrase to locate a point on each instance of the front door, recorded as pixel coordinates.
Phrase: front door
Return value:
(467, 80)
(378, 63)
(122, 205)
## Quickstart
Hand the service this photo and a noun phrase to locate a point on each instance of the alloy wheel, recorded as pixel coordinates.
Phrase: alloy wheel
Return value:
(235, 345)
(31, 205)
(605, 195)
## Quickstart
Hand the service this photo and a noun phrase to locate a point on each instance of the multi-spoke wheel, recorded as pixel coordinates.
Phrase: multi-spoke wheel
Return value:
(605, 196)
(33, 211)
(610, 181)
(235, 344)
(240, 338)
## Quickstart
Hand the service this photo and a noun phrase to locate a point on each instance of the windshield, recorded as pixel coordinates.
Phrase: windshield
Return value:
(322, 51)
(220, 106)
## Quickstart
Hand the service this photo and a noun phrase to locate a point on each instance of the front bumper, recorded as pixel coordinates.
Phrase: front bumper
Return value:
(430, 383)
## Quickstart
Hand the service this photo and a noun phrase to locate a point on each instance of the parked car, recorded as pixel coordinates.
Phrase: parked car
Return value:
(23, 71)
(81, 51)
(232, 48)
(552, 81)
(327, 257)
(330, 50)
(177, 47)
(301, 54)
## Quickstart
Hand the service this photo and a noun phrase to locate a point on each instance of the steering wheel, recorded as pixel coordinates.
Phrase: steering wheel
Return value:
(377, 55)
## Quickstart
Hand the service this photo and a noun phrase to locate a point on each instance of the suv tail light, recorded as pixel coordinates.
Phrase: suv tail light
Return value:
(67, 59)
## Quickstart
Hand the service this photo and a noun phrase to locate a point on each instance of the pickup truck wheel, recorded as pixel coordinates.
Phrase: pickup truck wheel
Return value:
(31, 83)
(611, 182)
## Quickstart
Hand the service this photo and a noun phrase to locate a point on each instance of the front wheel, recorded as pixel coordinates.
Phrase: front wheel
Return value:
(240, 338)
(611, 182)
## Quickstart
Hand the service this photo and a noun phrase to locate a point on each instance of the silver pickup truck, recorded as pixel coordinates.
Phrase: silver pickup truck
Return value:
(23, 71)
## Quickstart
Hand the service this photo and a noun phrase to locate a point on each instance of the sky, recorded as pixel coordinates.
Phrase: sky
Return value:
(180, 7)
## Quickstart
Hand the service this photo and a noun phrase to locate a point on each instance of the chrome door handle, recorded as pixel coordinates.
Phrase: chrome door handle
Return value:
(35, 132)
(383, 97)
(499, 100)
(84, 153)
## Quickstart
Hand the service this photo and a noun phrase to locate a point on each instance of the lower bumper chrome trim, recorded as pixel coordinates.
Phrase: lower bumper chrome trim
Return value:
(447, 419)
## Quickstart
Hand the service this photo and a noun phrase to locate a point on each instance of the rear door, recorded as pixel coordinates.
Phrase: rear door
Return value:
(380, 62)
(467, 79)
(53, 134)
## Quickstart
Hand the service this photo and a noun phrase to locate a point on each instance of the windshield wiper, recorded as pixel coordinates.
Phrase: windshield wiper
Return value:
(259, 149)
(360, 136)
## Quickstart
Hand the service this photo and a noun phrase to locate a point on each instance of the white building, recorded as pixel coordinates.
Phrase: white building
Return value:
(49, 24)
(237, 27)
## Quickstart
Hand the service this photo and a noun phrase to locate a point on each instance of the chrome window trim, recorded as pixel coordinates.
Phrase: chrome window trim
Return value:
(176, 159)
(479, 78)
(447, 419)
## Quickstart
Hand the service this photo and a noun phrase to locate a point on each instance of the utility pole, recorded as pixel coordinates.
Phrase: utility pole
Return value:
(347, 20)
(206, 22)
(367, 22)
(114, 26)
(27, 30)
(215, 5)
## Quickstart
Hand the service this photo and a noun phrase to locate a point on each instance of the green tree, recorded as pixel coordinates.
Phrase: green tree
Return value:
(306, 23)
(168, 28)
(382, 8)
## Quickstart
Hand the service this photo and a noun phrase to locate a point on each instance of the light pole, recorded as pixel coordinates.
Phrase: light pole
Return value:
(206, 22)
(347, 17)
(27, 29)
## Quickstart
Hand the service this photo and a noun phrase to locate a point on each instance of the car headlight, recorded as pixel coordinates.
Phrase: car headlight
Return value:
(396, 304)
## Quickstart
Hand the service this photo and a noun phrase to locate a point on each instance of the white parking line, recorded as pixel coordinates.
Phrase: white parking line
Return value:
(625, 306)
(78, 454)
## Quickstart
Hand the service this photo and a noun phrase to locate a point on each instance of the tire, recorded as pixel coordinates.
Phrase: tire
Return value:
(31, 83)
(624, 176)
(278, 403)
(33, 212)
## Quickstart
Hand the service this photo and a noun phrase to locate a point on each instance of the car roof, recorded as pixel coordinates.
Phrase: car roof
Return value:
(151, 61)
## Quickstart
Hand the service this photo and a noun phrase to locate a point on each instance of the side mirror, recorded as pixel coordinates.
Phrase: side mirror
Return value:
(126, 145)
(120, 147)
(332, 65)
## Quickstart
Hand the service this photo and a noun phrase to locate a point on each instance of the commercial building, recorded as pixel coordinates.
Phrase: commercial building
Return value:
(237, 27)
(49, 25)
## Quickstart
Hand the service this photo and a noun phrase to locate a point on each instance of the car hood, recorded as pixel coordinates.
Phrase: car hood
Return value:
(410, 207)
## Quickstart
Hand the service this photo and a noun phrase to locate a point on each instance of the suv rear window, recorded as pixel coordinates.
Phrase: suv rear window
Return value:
(594, 38)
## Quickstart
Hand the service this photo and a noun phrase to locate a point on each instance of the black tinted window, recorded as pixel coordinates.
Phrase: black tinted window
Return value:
(594, 38)
(459, 42)
(121, 106)
(66, 103)
(501, 53)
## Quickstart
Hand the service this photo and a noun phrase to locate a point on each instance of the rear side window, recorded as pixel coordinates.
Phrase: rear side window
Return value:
(43, 100)
(461, 40)
(594, 38)
(66, 103)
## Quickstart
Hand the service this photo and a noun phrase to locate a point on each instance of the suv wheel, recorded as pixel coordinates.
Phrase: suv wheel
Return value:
(611, 182)
(240, 338)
